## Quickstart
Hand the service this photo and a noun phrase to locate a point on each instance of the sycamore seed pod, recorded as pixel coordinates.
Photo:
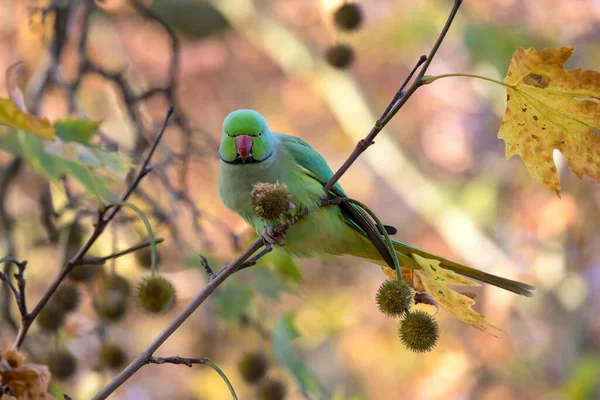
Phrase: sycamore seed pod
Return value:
(271, 200)
(253, 367)
(115, 283)
(112, 306)
(61, 363)
(339, 55)
(51, 317)
(144, 257)
(112, 356)
(348, 17)
(394, 297)
(66, 297)
(271, 389)
(156, 294)
(419, 332)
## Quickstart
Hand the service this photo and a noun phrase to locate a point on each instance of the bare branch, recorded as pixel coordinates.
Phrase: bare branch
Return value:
(19, 290)
(7, 223)
(177, 360)
(121, 253)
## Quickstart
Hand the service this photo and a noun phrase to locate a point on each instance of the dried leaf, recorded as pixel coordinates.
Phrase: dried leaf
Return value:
(14, 74)
(549, 107)
(12, 116)
(14, 358)
(28, 382)
(435, 278)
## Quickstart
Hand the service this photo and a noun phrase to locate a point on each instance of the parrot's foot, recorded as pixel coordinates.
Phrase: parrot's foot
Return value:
(270, 237)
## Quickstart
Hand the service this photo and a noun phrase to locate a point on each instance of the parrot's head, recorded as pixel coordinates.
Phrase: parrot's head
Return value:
(245, 138)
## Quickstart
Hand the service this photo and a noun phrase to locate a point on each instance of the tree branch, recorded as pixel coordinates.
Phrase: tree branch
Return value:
(177, 360)
(10, 173)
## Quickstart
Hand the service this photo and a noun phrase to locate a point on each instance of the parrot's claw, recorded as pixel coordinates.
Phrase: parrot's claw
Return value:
(270, 237)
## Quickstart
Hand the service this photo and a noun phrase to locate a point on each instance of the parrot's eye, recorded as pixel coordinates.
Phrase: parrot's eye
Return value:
(260, 134)
(228, 134)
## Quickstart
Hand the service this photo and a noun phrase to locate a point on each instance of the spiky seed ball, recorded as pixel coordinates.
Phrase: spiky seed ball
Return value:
(144, 257)
(419, 332)
(112, 306)
(66, 297)
(339, 55)
(394, 297)
(253, 367)
(271, 389)
(348, 17)
(61, 363)
(156, 294)
(51, 317)
(83, 273)
(271, 200)
(112, 356)
(115, 283)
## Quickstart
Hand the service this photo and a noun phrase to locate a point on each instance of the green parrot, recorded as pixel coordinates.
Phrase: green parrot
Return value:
(250, 153)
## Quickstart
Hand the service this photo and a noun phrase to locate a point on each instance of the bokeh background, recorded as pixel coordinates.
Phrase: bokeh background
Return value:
(437, 172)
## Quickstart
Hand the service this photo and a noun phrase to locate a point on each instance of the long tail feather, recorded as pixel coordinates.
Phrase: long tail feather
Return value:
(507, 284)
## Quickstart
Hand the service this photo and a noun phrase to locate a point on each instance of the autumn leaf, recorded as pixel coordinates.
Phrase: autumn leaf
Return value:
(549, 107)
(435, 280)
(11, 115)
(25, 381)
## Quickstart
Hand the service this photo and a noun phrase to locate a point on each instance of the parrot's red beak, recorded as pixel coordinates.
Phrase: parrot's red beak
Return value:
(243, 143)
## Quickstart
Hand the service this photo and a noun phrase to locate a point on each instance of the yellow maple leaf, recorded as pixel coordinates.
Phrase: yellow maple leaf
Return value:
(435, 278)
(11, 115)
(549, 107)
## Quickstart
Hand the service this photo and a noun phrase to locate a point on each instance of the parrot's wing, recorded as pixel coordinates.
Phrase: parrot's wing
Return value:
(315, 166)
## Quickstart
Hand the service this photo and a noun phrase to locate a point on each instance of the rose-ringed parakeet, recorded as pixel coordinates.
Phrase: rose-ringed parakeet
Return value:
(250, 153)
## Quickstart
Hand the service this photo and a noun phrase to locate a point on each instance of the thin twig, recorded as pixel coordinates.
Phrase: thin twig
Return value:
(7, 223)
(177, 360)
(131, 249)
(209, 272)
(191, 361)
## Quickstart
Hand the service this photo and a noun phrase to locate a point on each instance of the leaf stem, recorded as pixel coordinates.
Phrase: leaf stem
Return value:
(220, 372)
(146, 222)
(429, 79)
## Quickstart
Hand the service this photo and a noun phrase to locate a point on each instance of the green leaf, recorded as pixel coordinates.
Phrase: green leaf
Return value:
(269, 284)
(283, 334)
(79, 172)
(92, 156)
(284, 264)
(35, 153)
(496, 44)
(76, 130)
(53, 167)
(10, 142)
(233, 301)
